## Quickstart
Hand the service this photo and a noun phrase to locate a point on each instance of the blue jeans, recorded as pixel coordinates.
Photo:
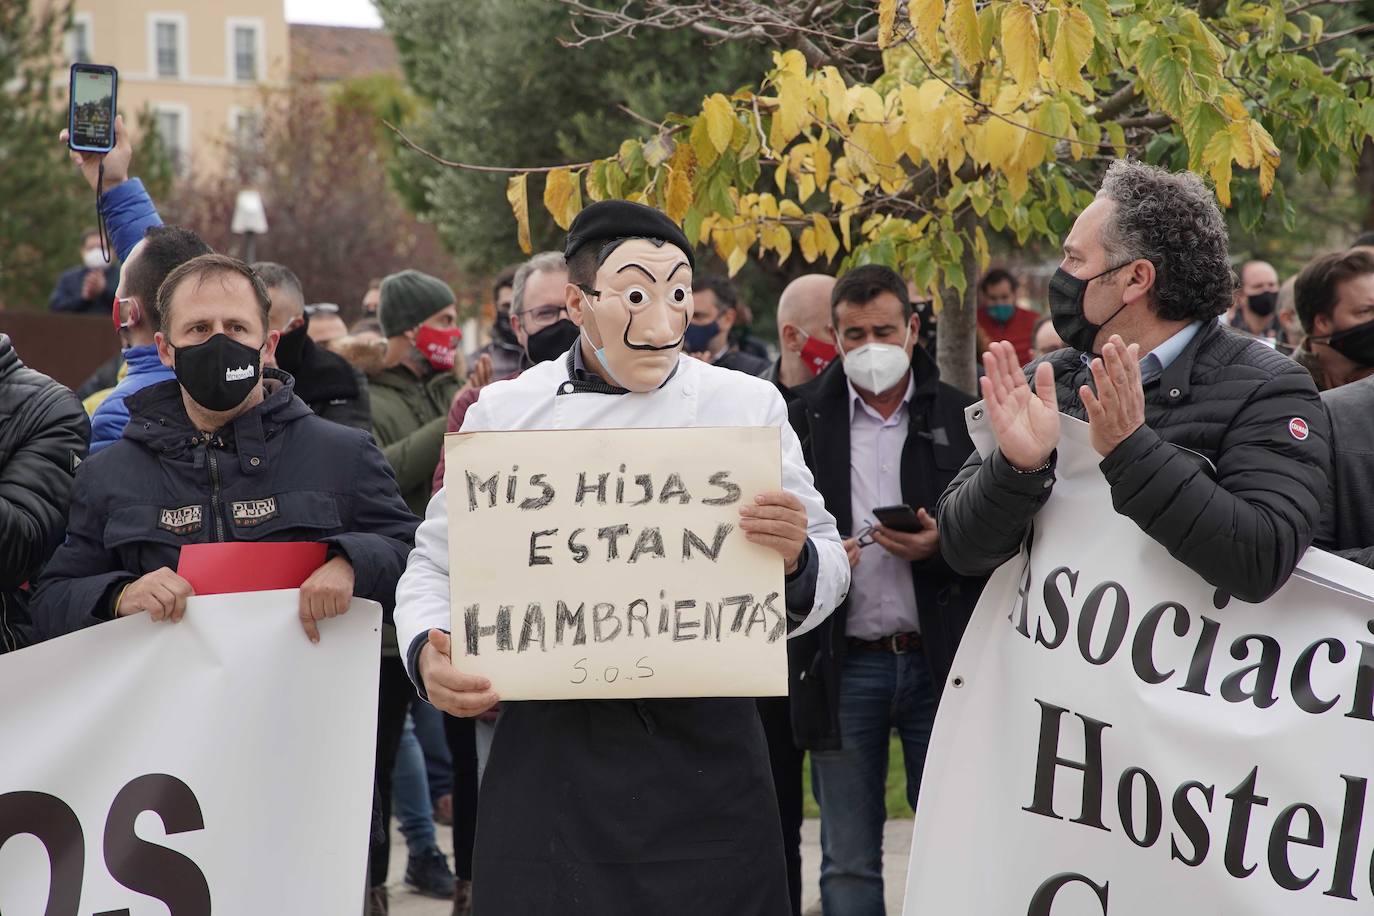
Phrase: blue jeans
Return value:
(429, 729)
(879, 691)
(410, 800)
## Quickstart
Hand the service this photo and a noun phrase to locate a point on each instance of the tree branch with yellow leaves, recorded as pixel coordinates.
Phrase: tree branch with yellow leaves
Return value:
(904, 132)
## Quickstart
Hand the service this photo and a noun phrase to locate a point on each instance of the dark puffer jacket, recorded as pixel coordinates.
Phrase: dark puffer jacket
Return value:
(325, 381)
(1227, 473)
(276, 473)
(43, 437)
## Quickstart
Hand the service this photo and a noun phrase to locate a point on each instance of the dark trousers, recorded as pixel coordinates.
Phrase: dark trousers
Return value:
(395, 693)
(462, 744)
(786, 760)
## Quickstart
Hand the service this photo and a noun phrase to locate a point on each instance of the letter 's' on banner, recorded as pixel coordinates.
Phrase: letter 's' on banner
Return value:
(610, 563)
(1117, 738)
(220, 764)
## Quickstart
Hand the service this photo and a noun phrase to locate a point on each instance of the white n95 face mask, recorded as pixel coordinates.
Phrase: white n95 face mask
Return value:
(876, 367)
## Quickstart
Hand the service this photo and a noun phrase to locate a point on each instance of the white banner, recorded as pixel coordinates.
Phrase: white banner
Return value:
(1111, 742)
(610, 563)
(221, 764)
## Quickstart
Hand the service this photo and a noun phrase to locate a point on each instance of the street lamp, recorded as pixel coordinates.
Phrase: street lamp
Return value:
(250, 221)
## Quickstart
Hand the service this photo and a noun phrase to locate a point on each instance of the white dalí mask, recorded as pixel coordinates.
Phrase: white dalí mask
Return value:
(876, 367)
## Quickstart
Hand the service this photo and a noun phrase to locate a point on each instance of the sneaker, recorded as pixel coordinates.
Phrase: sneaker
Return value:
(429, 874)
(377, 902)
(462, 899)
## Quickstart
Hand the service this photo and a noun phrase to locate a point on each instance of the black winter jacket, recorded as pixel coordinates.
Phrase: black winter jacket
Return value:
(328, 384)
(936, 445)
(1347, 525)
(165, 484)
(43, 437)
(1227, 473)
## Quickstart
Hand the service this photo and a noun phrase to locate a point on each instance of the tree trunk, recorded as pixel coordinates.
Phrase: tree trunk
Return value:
(1364, 184)
(958, 337)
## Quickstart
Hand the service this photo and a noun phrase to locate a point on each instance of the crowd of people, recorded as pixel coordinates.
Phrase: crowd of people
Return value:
(1200, 382)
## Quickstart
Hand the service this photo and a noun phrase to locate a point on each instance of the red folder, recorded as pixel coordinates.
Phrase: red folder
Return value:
(242, 566)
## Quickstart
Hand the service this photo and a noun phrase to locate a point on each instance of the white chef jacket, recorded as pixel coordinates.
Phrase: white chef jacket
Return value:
(545, 397)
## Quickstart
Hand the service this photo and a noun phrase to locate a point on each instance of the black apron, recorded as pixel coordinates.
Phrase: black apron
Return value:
(641, 808)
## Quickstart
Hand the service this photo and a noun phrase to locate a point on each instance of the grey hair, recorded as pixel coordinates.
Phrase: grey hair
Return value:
(1171, 220)
(543, 262)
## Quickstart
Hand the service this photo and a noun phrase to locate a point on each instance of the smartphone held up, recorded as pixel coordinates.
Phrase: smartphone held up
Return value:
(91, 109)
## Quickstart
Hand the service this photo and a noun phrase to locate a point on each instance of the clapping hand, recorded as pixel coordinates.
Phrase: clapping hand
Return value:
(1118, 408)
(1024, 422)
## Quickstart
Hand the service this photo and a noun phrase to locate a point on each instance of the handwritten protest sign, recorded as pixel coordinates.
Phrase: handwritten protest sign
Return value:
(610, 563)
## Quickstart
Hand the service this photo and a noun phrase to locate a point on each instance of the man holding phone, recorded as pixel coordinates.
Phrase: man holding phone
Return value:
(883, 436)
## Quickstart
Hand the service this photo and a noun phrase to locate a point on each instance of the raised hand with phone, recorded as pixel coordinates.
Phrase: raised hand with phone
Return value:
(92, 113)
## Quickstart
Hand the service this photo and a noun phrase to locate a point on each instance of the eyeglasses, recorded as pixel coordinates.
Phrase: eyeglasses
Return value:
(544, 314)
(865, 535)
(327, 308)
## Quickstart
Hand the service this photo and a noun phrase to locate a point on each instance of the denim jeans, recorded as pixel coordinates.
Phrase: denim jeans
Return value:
(429, 729)
(410, 800)
(879, 692)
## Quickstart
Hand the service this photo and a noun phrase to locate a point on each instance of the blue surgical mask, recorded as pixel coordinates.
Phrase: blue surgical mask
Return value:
(599, 351)
(698, 337)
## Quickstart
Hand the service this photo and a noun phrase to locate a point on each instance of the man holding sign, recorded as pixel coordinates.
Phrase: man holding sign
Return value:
(224, 452)
(631, 805)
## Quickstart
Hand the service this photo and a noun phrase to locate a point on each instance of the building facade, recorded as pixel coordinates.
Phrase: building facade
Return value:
(199, 67)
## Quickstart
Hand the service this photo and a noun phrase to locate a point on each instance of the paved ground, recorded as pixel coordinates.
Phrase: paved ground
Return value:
(897, 845)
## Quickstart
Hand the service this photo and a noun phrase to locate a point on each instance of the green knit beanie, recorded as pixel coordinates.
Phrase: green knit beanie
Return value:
(408, 298)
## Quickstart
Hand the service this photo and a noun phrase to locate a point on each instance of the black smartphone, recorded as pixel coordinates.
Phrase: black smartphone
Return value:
(898, 518)
(91, 109)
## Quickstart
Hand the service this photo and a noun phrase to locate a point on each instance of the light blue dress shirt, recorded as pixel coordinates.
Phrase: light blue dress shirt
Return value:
(1153, 364)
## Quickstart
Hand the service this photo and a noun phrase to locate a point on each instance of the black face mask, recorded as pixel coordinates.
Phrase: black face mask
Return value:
(291, 348)
(219, 373)
(552, 342)
(1066, 309)
(1355, 344)
(501, 329)
(1262, 304)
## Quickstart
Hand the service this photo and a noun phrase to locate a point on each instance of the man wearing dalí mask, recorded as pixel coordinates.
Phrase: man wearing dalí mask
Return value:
(879, 430)
(1213, 443)
(224, 452)
(627, 806)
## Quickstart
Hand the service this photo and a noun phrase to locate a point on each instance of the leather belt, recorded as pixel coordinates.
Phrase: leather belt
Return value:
(897, 644)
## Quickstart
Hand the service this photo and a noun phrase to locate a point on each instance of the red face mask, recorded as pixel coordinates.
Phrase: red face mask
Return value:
(439, 346)
(817, 354)
(134, 313)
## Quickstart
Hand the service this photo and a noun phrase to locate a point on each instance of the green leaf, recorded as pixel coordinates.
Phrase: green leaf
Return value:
(1101, 19)
(749, 171)
(1117, 135)
(1168, 80)
(1200, 124)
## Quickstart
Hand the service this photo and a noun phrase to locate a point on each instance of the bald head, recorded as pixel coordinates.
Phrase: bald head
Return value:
(803, 315)
(1258, 277)
(805, 303)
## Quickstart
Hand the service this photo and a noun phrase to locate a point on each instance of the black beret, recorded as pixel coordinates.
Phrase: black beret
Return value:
(608, 220)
